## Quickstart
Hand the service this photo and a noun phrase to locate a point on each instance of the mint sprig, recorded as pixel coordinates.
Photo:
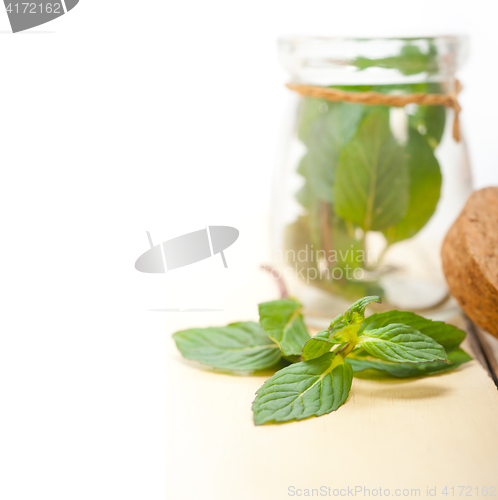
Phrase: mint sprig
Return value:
(319, 377)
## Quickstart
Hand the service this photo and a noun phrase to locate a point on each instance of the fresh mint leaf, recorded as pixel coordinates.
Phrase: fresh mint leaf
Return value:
(449, 336)
(424, 191)
(320, 344)
(401, 344)
(371, 185)
(283, 322)
(356, 312)
(337, 323)
(305, 389)
(236, 347)
(327, 128)
(361, 361)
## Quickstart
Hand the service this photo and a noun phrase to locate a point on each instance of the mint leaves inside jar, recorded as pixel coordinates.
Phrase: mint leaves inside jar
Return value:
(365, 169)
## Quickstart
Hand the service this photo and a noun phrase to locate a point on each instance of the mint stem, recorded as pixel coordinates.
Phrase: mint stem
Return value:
(284, 294)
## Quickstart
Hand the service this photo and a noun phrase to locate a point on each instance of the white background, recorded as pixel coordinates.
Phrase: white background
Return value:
(122, 117)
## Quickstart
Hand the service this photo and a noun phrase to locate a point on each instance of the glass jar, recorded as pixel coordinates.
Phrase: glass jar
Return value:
(364, 194)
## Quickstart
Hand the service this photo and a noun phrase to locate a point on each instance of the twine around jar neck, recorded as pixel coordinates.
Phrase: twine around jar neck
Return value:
(449, 100)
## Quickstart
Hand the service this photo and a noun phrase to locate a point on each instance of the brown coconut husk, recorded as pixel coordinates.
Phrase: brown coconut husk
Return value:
(470, 259)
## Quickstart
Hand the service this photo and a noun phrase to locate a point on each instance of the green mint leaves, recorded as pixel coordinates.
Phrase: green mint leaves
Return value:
(306, 389)
(365, 168)
(424, 181)
(325, 134)
(320, 344)
(449, 336)
(372, 182)
(320, 369)
(236, 347)
(401, 344)
(283, 322)
(361, 361)
(342, 329)
(356, 313)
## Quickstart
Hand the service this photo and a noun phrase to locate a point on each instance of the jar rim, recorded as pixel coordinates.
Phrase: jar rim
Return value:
(322, 38)
(335, 59)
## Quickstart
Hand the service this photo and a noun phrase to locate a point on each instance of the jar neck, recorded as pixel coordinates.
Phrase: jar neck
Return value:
(378, 61)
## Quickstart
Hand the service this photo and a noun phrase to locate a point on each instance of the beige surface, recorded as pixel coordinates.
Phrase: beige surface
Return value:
(438, 431)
